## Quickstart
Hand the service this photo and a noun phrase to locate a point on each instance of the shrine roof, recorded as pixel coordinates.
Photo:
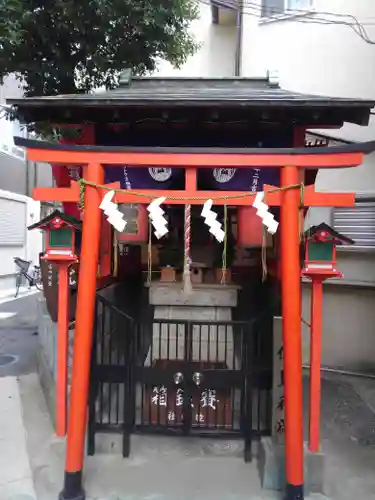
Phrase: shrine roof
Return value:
(72, 221)
(244, 96)
(339, 238)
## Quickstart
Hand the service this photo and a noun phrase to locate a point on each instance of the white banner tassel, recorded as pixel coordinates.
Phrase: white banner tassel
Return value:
(210, 220)
(262, 211)
(156, 214)
(114, 216)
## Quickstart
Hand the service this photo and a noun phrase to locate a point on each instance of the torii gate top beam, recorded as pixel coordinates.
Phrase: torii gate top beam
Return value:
(193, 158)
(331, 157)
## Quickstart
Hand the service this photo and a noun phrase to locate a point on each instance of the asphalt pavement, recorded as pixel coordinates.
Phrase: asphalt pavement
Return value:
(18, 335)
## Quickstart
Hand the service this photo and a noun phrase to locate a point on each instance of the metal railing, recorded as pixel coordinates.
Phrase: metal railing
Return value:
(178, 377)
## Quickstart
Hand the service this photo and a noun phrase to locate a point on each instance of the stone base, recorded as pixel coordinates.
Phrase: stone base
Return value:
(47, 384)
(314, 471)
(47, 357)
(271, 465)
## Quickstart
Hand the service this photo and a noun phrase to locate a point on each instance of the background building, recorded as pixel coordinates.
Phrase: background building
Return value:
(17, 210)
(315, 47)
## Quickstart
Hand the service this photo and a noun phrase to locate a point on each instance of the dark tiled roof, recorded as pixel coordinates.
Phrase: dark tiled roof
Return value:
(340, 238)
(254, 99)
(248, 91)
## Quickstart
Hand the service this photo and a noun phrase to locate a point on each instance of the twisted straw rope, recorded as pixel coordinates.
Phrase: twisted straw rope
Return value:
(82, 183)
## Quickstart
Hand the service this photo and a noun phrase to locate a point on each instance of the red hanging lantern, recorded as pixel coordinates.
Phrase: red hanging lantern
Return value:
(249, 227)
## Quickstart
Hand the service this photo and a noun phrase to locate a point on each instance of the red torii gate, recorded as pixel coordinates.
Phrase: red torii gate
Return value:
(288, 197)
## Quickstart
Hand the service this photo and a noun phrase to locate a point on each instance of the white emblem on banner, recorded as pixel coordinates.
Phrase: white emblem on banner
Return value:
(160, 174)
(223, 175)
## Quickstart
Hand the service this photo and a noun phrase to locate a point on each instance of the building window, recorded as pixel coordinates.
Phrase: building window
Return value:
(298, 4)
(8, 129)
(358, 223)
(280, 7)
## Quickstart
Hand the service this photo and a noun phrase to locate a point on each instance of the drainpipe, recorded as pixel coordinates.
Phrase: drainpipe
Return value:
(238, 54)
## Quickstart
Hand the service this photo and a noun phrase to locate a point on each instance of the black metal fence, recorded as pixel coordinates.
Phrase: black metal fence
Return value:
(179, 377)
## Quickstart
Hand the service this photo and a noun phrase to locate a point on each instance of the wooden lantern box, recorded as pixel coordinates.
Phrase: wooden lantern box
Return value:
(60, 236)
(320, 251)
(62, 241)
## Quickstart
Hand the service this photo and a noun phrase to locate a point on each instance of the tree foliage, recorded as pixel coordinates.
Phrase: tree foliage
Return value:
(65, 46)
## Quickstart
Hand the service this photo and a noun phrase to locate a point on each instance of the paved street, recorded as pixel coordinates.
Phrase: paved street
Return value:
(18, 327)
(16, 479)
(348, 438)
(161, 468)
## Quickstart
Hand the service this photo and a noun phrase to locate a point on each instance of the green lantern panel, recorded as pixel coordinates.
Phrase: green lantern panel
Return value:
(320, 252)
(61, 238)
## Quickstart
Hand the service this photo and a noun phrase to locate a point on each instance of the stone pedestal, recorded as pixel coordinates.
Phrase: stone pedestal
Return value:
(271, 465)
(206, 303)
(271, 454)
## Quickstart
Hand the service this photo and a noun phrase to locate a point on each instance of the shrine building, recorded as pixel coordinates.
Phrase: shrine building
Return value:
(182, 204)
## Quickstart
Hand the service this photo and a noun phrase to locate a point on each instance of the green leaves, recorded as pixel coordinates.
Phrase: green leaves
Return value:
(64, 46)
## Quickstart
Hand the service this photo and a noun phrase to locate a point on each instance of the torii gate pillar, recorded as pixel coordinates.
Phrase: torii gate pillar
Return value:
(291, 327)
(93, 172)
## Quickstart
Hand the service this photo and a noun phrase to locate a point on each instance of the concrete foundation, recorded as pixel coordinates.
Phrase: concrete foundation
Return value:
(271, 465)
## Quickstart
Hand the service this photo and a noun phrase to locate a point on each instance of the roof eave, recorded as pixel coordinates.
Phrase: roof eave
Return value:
(124, 102)
(68, 110)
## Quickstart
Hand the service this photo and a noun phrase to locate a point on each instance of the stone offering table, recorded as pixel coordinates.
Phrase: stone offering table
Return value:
(207, 303)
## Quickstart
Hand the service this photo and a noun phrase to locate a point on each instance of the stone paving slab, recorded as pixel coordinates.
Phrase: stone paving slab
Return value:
(15, 470)
(160, 472)
(22, 489)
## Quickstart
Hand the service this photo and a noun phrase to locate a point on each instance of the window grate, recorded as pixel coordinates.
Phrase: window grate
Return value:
(357, 223)
(272, 7)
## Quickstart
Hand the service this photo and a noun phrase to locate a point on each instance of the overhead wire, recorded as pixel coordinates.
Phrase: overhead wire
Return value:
(309, 16)
(315, 17)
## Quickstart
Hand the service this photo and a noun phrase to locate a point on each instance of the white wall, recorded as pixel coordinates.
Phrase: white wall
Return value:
(329, 60)
(217, 52)
(348, 327)
(17, 212)
(16, 173)
(11, 88)
(325, 59)
(314, 58)
(357, 179)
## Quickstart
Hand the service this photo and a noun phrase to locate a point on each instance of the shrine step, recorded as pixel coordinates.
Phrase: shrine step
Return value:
(179, 446)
